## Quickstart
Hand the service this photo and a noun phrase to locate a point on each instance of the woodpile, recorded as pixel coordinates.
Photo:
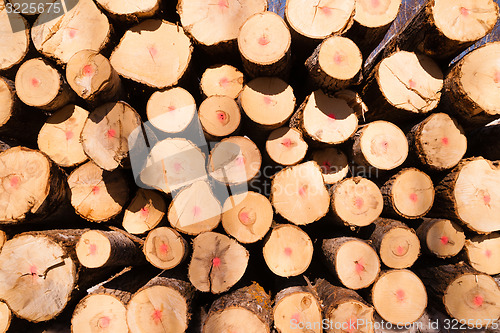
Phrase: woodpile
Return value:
(249, 166)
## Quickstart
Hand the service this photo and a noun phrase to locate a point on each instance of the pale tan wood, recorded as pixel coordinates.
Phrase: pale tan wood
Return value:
(14, 30)
(165, 248)
(222, 80)
(100, 313)
(3, 238)
(333, 163)
(7, 100)
(144, 212)
(220, 116)
(296, 306)
(285, 146)
(130, 10)
(171, 110)
(441, 237)
(483, 253)
(5, 317)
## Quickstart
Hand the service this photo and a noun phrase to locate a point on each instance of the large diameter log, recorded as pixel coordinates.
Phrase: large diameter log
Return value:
(218, 262)
(399, 296)
(83, 27)
(144, 212)
(295, 307)
(222, 80)
(247, 309)
(286, 146)
(438, 142)
(441, 237)
(130, 11)
(219, 116)
(147, 51)
(483, 253)
(402, 86)
(288, 250)
(32, 185)
(165, 248)
(97, 195)
(472, 89)
(15, 37)
(298, 193)
(333, 163)
(171, 110)
(354, 262)
(469, 194)
(5, 317)
(485, 142)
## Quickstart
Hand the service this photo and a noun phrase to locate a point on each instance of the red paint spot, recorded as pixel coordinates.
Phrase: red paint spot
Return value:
(268, 100)
(221, 116)
(496, 77)
(171, 108)
(244, 217)
(488, 253)
(177, 167)
(478, 300)
(14, 181)
(375, 3)
(487, 199)
(296, 317)
(385, 145)
(445, 141)
(72, 33)
(288, 251)
(223, 82)
(216, 262)
(400, 250)
(264, 40)
(353, 324)
(88, 70)
(164, 248)
(400, 295)
(33, 270)
(414, 197)
(338, 58)
(152, 51)
(331, 116)
(69, 135)
(359, 266)
(240, 160)
(358, 202)
(444, 240)
(326, 166)
(464, 11)
(111, 133)
(145, 211)
(223, 3)
(303, 191)
(35, 82)
(196, 211)
(95, 190)
(287, 142)
(92, 249)
(103, 322)
(412, 84)
(157, 316)
(326, 10)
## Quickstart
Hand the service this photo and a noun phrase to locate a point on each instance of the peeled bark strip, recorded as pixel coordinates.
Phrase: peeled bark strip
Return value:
(472, 90)
(344, 309)
(14, 30)
(399, 296)
(165, 248)
(469, 193)
(220, 116)
(335, 64)
(485, 142)
(317, 20)
(59, 138)
(380, 145)
(438, 142)
(483, 253)
(298, 193)
(97, 195)
(409, 194)
(222, 80)
(247, 216)
(171, 110)
(163, 304)
(264, 43)
(144, 212)
(268, 102)
(130, 11)
(106, 132)
(440, 237)
(83, 27)
(465, 293)
(217, 263)
(91, 76)
(39, 84)
(247, 309)
(147, 52)
(285, 146)
(402, 86)
(325, 119)
(397, 244)
(33, 186)
(296, 306)
(333, 163)
(5, 317)
(352, 260)
(356, 202)
(288, 250)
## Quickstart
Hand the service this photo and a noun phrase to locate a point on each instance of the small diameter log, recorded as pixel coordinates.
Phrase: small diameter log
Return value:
(397, 245)
(472, 90)
(39, 84)
(335, 64)
(469, 193)
(5, 317)
(356, 202)
(298, 193)
(443, 238)
(485, 142)
(15, 37)
(325, 119)
(218, 24)
(483, 253)
(219, 116)
(222, 80)
(399, 296)
(59, 137)
(465, 293)
(217, 263)
(268, 102)
(130, 11)
(32, 186)
(285, 146)
(344, 309)
(195, 209)
(91, 76)
(408, 194)
(379, 145)
(352, 260)
(288, 250)
(318, 20)
(247, 216)
(106, 133)
(165, 248)
(333, 163)
(294, 307)
(402, 86)
(83, 27)
(162, 304)
(246, 309)
(234, 160)
(438, 142)
(264, 43)
(144, 212)
(147, 51)
(97, 195)
(171, 110)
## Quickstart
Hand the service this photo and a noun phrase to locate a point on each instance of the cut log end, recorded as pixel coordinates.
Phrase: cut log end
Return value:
(144, 212)
(483, 253)
(93, 249)
(286, 146)
(296, 308)
(333, 163)
(376, 13)
(15, 32)
(165, 248)
(171, 110)
(99, 313)
(222, 80)
(129, 10)
(5, 317)
(443, 238)
(220, 116)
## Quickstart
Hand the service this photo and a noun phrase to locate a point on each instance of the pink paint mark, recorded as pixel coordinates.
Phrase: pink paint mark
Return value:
(326, 166)
(400, 250)
(171, 108)
(414, 197)
(359, 266)
(444, 240)
(332, 116)
(111, 133)
(216, 262)
(264, 40)
(487, 199)
(244, 217)
(287, 142)
(69, 135)
(103, 322)
(152, 51)
(296, 318)
(164, 248)
(385, 145)
(157, 316)
(240, 160)
(88, 70)
(72, 33)
(303, 191)
(358, 202)
(144, 211)
(375, 3)
(223, 3)
(224, 82)
(353, 324)
(488, 253)
(478, 300)
(445, 141)
(400, 295)
(92, 249)
(177, 167)
(95, 190)
(338, 58)
(15, 181)
(288, 251)
(35, 82)
(268, 100)
(196, 211)
(412, 84)
(464, 11)
(496, 77)
(326, 10)
(221, 116)
(34, 273)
